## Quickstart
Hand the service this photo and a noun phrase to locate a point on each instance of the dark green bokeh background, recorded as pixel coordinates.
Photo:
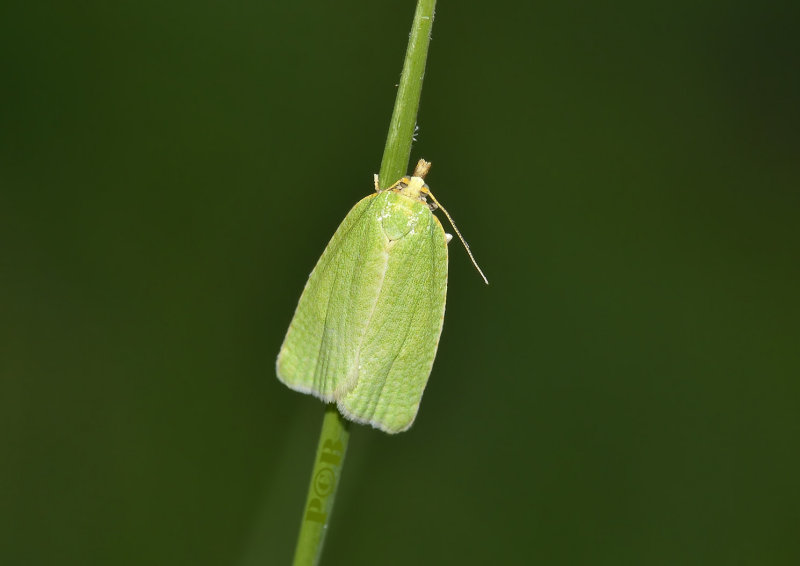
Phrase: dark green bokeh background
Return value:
(625, 391)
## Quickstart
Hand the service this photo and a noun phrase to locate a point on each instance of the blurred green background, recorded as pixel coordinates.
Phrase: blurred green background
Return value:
(624, 392)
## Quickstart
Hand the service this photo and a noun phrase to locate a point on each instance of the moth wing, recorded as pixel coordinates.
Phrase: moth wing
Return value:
(318, 355)
(396, 356)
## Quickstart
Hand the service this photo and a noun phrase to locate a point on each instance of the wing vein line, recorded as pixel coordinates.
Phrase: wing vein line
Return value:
(374, 306)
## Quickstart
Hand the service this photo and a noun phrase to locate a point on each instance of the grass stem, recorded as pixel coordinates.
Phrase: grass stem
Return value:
(333, 438)
(325, 476)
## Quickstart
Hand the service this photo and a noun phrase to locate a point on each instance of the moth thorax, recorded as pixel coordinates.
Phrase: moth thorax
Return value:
(400, 218)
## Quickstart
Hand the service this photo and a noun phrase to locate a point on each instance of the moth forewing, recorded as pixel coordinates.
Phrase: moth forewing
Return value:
(400, 343)
(316, 355)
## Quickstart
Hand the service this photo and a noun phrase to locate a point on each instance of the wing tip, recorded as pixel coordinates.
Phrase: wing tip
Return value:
(381, 425)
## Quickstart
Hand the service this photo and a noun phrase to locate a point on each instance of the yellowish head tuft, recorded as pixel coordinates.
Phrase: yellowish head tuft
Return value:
(414, 188)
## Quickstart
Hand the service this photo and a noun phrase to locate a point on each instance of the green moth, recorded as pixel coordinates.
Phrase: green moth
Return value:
(366, 329)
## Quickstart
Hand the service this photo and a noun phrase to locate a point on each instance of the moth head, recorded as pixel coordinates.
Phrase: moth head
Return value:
(414, 187)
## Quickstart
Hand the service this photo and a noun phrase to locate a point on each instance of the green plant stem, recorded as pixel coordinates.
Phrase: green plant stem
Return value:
(334, 435)
(394, 164)
(328, 464)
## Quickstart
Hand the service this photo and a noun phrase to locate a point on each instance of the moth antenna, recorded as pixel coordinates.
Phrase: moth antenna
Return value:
(460, 237)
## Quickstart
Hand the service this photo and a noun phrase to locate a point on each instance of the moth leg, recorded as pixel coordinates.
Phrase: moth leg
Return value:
(401, 184)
